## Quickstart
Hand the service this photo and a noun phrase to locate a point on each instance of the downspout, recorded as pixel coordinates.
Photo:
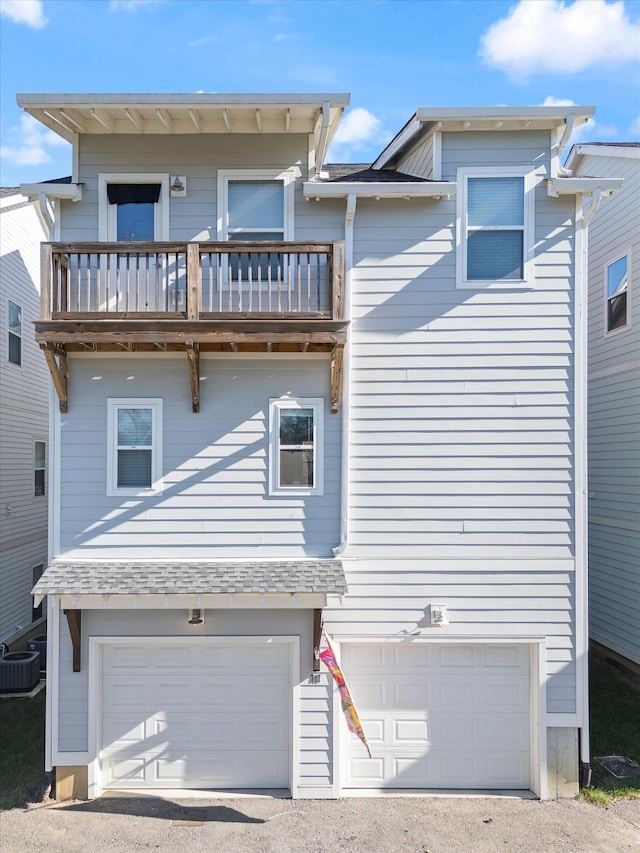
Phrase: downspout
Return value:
(568, 130)
(581, 488)
(346, 378)
(44, 213)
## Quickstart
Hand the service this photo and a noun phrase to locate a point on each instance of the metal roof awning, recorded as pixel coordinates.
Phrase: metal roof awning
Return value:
(178, 584)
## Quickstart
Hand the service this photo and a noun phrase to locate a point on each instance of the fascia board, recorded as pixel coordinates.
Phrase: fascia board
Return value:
(69, 192)
(552, 114)
(594, 150)
(397, 143)
(190, 99)
(381, 190)
(572, 186)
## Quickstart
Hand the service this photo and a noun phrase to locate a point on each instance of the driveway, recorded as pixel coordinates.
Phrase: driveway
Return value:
(358, 825)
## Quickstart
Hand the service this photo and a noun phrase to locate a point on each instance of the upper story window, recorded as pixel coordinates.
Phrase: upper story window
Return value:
(494, 228)
(296, 438)
(39, 467)
(15, 333)
(134, 446)
(255, 204)
(133, 207)
(617, 280)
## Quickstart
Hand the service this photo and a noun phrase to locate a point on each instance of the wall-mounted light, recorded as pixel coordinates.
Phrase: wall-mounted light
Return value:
(196, 616)
(178, 185)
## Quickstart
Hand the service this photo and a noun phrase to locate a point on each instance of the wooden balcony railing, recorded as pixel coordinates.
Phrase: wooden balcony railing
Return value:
(192, 280)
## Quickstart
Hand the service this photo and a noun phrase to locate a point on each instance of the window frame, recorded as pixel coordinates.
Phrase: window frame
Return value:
(37, 613)
(464, 173)
(10, 333)
(36, 468)
(114, 404)
(607, 299)
(276, 405)
(286, 176)
(107, 221)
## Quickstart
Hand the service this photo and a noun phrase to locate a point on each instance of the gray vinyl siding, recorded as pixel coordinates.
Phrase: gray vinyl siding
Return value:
(419, 161)
(462, 419)
(215, 501)
(316, 699)
(24, 395)
(614, 418)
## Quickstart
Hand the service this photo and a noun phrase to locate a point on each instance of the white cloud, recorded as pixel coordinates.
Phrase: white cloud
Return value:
(552, 101)
(358, 126)
(541, 36)
(30, 141)
(27, 12)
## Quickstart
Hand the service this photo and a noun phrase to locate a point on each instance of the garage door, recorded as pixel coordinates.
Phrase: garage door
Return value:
(207, 715)
(439, 716)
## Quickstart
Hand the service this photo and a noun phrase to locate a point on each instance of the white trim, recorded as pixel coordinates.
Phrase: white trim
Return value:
(113, 405)
(537, 699)
(55, 472)
(96, 699)
(572, 186)
(400, 189)
(398, 142)
(609, 333)
(436, 169)
(275, 405)
(288, 178)
(69, 192)
(107, 213)
(528, 229)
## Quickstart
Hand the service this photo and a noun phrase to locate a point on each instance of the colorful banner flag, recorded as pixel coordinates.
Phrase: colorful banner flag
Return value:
(351, 715)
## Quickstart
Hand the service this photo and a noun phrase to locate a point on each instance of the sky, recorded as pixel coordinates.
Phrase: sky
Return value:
(392, 56)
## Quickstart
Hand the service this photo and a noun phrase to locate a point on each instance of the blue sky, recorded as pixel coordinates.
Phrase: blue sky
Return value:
(392, 56)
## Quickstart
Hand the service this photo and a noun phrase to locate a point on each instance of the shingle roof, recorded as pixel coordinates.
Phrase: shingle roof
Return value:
(5, 192)
(176, 578)
(342, 172)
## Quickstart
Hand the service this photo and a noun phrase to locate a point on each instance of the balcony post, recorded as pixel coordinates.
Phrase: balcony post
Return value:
(337, 280)
(194, 281)
(46, 280)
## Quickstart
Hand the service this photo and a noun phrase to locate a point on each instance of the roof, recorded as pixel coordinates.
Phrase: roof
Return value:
(199, 578)
(624, 150)
(367, 175)
(5, 192)
(429, 119)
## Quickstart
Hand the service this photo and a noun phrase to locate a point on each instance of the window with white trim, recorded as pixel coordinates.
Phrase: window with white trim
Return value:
(134, 438)
(39, 468)
(15, 333)
(296, 429)
(494, 228)
(133, 207)
(617, 285)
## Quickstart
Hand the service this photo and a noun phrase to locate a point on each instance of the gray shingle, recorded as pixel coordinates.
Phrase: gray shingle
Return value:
(138, 578)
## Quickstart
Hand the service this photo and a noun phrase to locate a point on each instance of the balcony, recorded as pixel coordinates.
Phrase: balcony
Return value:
(193, 298)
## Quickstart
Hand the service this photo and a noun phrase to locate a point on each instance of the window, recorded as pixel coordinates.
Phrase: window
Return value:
(40, 452)
(36, 574)
(15, 333)
(134, 445)
(255, 204)
(296, 438)
(494, 228)
(133, 207)
(617, 277)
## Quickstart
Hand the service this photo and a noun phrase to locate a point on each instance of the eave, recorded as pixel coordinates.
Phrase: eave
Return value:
(405, 189)
(582, 186)
(65, 192)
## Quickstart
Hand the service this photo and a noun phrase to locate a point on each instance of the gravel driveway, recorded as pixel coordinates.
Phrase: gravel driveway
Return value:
(381, 825)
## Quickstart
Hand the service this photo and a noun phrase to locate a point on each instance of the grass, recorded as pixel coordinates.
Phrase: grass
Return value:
(21, 749)
(614, 699)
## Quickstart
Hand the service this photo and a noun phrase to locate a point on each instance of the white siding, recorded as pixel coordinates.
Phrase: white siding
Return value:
(419, 161)
(24, 392)
(462, 462)
(215, 500)
(614, 417)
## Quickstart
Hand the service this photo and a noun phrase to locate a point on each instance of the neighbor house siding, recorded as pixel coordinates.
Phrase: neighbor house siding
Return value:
(462, 462)
(24, 392)
(614, 417)
(215, 501)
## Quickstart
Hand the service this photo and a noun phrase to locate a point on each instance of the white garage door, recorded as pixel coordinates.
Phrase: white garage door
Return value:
(439, 716)
(206, 715)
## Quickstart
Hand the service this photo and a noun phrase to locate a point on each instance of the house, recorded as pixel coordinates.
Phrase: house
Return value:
(614, 400)
(24, 417)
(296, 397)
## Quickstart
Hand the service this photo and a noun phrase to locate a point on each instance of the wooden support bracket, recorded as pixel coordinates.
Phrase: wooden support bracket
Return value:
(74, 620)
(59, 372)
(317, 638)
(337, 359)
(193, 359)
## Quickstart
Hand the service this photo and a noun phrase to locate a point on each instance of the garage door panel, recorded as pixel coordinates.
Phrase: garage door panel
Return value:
(455, 717)
(188, 724)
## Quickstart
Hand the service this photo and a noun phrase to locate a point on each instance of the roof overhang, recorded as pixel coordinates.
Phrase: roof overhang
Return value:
(595, 149)
(458, 119)
(70, 115)
(582, 186)
(66, 192)
(383, 190)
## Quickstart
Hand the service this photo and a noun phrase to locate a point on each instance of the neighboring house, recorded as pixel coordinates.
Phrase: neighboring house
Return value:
(614, 399)
(24, 417)
(291, 393)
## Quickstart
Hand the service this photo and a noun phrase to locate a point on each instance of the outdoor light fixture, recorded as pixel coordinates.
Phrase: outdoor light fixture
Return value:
(178, 186)
(195, 616)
